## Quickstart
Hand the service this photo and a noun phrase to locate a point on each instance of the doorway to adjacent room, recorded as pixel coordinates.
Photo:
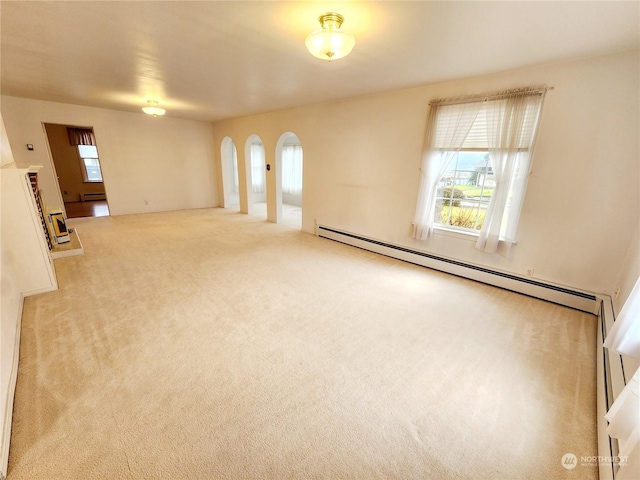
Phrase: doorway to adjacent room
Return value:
(74, 152)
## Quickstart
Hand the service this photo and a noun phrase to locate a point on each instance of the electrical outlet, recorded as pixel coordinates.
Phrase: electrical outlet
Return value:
(530, 272)
(617, 292)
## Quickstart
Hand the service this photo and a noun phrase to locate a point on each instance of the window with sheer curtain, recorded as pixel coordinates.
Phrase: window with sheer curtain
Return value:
(477, 159)
(233, 159)
(292, 169)
(257, 168)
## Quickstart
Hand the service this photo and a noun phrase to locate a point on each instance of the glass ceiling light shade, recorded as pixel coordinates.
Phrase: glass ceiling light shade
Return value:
(152, 109)
(330, 43)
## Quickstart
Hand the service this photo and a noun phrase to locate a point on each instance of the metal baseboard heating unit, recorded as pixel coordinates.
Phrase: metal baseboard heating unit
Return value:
(611, 381)
(553, 293)
(86, 197)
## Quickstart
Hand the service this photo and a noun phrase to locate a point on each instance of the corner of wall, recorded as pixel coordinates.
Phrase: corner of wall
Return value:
(629, 273)
(11, 326)
(6, 155)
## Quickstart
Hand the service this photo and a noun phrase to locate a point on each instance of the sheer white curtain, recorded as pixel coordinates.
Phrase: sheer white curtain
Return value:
(447, 129)
(292, 169)
(511, 124)
(257, 168)
(234, 168)
(624, 336)
(624, 414)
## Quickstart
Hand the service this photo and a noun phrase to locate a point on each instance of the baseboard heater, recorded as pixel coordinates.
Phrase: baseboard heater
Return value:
(610, 382)
(87, 197)
(554, 293)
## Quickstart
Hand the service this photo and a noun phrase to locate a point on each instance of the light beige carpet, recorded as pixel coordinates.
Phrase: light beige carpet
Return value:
(207, 344)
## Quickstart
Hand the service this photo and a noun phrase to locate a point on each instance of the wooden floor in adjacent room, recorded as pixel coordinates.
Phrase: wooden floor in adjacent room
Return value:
(91, 208)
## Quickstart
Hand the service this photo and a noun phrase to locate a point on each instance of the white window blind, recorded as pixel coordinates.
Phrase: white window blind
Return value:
(477, 138)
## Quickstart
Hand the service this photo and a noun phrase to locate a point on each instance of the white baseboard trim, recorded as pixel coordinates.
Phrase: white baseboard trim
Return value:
(573, 298)
(41, 290)
(7, 415)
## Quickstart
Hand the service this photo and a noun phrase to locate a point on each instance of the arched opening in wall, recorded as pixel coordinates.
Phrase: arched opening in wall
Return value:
(289, 187)
(256, 176)
(230, 183)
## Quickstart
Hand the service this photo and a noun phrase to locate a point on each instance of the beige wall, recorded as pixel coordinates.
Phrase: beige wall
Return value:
(362, 160)
(67, 165)
(26, 268)
(10, 312)
(6, 156)
(148, 164)
(629, 270)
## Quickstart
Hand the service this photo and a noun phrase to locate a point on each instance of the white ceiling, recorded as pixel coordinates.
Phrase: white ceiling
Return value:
(218, 59)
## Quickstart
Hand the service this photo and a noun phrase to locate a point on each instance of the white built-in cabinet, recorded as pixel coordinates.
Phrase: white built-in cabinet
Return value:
(24, 235)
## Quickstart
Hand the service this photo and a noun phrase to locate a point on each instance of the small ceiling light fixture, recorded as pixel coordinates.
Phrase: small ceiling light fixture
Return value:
(152, 109)
(330, 43)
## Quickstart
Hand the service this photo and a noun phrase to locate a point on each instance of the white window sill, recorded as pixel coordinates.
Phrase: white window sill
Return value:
(452, 232)
(470, 236)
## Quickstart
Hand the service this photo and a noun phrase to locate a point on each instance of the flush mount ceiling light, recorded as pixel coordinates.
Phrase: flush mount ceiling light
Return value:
(152, 109)
(330, 43)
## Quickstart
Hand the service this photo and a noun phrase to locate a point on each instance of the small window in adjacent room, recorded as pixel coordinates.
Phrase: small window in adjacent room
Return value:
(90, 163)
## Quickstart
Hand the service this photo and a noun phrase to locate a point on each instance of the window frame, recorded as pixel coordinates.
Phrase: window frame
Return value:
(454, 228)
(506, 123)
(83, 165)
